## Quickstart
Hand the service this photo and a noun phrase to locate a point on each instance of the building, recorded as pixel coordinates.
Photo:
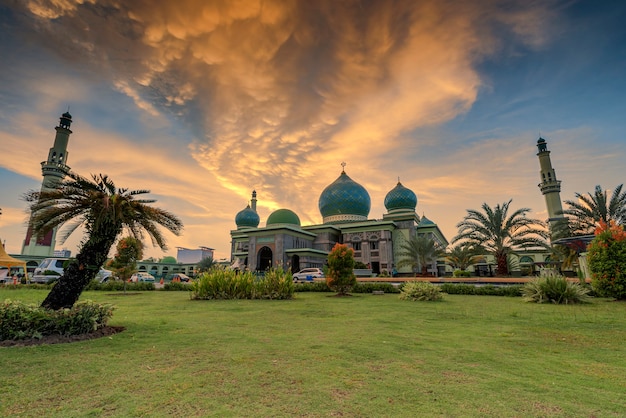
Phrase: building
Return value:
(344, 206)
(53, 170)
(188, 256)
(550, 187)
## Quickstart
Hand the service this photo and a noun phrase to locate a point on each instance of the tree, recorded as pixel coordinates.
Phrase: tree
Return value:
(129, 251)
(205, 264)
(104, 211)
(499, 234)
(585, 213)
(461, 256)
(341, 276)
(607, 260)
(419, 252)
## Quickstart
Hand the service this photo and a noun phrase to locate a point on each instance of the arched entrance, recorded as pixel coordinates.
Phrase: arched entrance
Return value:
(295, 263)
(264, 259)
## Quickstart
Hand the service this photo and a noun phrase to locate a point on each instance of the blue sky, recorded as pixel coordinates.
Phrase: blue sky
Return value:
(202, 102)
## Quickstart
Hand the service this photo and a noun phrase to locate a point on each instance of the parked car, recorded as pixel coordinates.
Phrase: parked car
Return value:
(104, 275)
(142, 277)
(180, 277)
(49, 270)
(309, 275)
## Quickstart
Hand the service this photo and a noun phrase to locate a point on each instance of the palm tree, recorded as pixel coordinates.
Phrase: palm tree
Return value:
(588, 210)
(105, 211)
(419, 252)
(461, 256)
(499, 234)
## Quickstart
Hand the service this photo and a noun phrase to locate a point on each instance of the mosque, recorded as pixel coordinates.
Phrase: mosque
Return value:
(345, 207)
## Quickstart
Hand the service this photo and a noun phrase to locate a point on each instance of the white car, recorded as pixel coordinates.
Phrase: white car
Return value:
(309, 275)
(142, 277)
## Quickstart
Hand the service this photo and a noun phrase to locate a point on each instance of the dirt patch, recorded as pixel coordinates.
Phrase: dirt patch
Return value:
(61, 339)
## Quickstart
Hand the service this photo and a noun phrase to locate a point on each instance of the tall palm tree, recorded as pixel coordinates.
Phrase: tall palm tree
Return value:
(105, 211)
(588, 210)
(499, 234)
(418, 252)
(461, 256)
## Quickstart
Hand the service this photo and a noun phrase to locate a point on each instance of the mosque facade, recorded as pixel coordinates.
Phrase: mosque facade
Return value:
(344, 206)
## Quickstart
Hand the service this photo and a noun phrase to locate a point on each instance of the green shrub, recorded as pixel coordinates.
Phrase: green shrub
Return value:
(312, 287)
(227, 284)
(341, 276)
(461, 273)
(118, 285)
(369, 287)
(21, 321)
(606, 257)
(421, 291)
(552, 287)
(176, 286)
(485, 290)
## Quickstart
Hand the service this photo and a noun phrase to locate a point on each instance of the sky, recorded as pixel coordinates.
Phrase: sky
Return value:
(203, 101)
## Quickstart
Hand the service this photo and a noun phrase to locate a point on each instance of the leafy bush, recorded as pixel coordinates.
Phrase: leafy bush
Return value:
(486, 290)
(606, 257)
(228, 284)
(176, 286)
(341, 276)
(461, 273)
(420, 291)
(312, 287)
(118, 285)
(21, 321)
(552, 287)
(370, 287)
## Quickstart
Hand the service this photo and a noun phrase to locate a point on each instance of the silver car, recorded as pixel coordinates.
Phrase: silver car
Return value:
(309, 275)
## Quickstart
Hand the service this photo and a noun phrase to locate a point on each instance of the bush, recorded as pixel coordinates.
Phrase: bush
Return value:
(176, 286)
(552, 287)
(228, 284)
(421, 291)
(370, 287)
(461, 273)
(486, 290)
(21, 321)
(606, 257)
(118, 285)
(341, 276)
(312, 287)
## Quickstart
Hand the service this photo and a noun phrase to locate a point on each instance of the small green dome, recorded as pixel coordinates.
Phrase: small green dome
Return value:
(283, 216)
(247, 218)
(344, 200)
(400, 199)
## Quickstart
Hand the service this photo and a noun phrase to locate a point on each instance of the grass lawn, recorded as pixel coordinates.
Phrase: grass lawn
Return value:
(321, 356)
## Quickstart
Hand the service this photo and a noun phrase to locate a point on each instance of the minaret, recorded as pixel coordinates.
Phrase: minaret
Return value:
(550, 186)
(253, 201)
(53, 171)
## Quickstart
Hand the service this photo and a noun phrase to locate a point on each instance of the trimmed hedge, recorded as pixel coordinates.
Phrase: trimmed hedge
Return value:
(118, 285)
(20, 321)
(486, 290)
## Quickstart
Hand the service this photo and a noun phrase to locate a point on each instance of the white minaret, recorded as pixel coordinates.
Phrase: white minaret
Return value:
(53, 171)
(550, 186)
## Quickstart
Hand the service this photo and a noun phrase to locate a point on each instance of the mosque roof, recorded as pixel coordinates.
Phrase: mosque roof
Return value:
(400, 198)
(283, 216)
(426, 222)
(344, 197)
(247, 218)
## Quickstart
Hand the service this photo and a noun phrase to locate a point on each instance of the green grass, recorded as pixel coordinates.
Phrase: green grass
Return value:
(322, 356)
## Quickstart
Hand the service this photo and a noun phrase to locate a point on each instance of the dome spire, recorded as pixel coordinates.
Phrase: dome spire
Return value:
(343, 166)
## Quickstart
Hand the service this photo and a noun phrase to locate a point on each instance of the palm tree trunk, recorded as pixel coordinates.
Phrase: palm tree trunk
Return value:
(503, 268)
(79, 273)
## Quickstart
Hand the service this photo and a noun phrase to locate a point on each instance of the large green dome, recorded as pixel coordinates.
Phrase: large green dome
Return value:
(344, 200)
(283, 216)
(247, 218)
(400, 199)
